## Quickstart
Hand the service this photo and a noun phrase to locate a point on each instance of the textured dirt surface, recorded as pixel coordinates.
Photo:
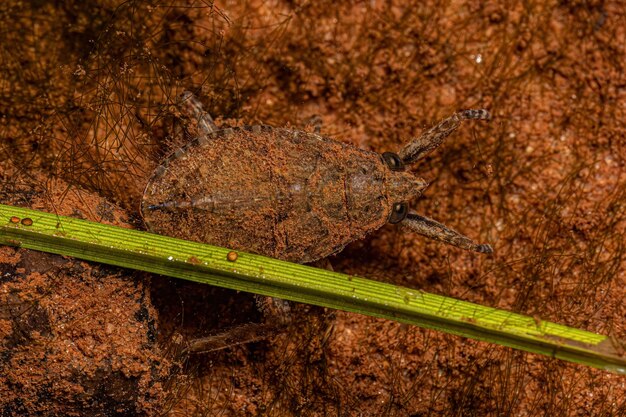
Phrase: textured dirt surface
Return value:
(87, 98)
(75, 338)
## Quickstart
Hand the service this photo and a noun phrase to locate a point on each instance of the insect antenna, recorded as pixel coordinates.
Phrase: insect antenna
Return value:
(430, 140)
(435, 230)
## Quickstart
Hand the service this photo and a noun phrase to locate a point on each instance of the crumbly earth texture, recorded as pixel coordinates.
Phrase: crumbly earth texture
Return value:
(76, 338)
(87, 97)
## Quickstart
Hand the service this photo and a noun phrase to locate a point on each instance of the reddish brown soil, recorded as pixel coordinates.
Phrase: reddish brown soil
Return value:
(86, 94)
(76, 338)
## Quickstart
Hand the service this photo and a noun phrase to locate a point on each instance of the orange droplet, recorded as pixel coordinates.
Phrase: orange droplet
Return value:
(27, 221)
(232, 256)
(14, 219)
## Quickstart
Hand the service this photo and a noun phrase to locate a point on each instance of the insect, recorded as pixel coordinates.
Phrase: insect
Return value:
(287, 193)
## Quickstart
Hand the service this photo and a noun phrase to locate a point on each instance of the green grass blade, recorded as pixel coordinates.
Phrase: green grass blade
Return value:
(209, 264)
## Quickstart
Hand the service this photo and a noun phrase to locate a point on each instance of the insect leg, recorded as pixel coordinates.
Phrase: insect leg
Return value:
(191, 107)
(278, 313)
(246, 333)
(428, 141)
(435, 230)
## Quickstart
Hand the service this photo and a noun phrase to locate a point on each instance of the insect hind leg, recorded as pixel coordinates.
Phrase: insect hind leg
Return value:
(430, 140)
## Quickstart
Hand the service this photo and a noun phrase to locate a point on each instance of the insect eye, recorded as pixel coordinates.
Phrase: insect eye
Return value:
(398, 212)
(393, 161)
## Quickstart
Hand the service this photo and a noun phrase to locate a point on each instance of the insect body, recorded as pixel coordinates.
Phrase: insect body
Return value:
(289, 194)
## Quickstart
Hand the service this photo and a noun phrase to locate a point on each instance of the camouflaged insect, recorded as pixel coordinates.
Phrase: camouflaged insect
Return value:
(286, 193)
